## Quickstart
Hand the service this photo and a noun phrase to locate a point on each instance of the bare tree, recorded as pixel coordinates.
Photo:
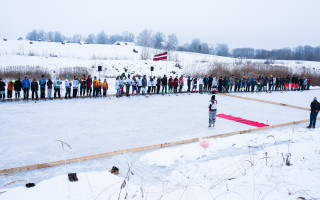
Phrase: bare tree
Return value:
(102, 38)
(145, 38)
(158, 40)
(172, 43)
(128, 37)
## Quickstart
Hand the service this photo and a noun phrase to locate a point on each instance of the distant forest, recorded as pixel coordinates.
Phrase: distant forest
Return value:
(159, 40)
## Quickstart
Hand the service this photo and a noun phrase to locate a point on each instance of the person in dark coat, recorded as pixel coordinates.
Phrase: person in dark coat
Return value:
(210, 83)
(2, 90)
(220, 84)
(158, 84)
(315, 107)
(189, 81)
(164, 82)
(34, 89)
(17, 88)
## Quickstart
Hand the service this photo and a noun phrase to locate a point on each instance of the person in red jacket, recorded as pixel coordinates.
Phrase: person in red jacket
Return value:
(10, 89)
(170, 83)
(308, 83)
(175, 84)
(89, 83)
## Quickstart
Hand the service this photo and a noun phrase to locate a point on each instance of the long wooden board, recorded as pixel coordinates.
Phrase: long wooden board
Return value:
(264, 101)
(137, 149)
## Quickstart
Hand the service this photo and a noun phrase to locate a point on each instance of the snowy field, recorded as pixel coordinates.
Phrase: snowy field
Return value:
(231, 168)
(115, 59)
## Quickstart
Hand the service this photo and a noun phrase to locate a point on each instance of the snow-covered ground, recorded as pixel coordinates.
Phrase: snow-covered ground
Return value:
(231, 168)
(117, 59)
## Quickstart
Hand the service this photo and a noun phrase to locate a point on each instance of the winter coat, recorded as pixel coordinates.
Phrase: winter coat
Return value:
(139, 82)
(154, 82)
(213, 105)
(67, 83)
(144, 82)
(150, 82)
(308, 81)
(315, 106)
(170, 82)
(189, 81)
(134, 82)
(205, 80)
(128, 81)
(34, 86)
(26, 84)
(210, 80)
(10, 86)
(121, 83)
(75, 83)
(214, 82)
(49, 84)
(117, 84)
(89, 81)
(200, 81)
(57, 83)
(181, 81)
(2, 86)
(164, 81)
(232, 81)
(17, 85)
(105, 85)
(42, 83)
(158, 81)
(195, 81)
(176, 82)
(95, 83)
(83, 82)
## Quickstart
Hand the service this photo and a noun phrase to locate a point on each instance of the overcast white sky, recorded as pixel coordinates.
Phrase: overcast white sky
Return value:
(238, 23)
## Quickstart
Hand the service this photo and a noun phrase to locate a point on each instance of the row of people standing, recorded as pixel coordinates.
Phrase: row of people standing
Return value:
(142, 85)
(48, 85)
(248, 84)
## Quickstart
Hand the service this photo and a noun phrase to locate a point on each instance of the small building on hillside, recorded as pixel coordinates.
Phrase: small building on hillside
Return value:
(121, 43)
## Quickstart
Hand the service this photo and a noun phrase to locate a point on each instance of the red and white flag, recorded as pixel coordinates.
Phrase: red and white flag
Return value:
(161, 56)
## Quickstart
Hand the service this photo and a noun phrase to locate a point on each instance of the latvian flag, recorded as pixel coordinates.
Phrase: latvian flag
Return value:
(161, 56)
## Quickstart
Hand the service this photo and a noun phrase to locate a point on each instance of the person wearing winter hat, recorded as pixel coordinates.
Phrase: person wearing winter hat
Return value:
(17, 88)
(42, 84)
(75, 87)
(49, 84)
(315, 107)
(89, 87)
(26, 88)
(56, 85)
(67, 84)
(212, 111)
(10, 89)
(34, 89)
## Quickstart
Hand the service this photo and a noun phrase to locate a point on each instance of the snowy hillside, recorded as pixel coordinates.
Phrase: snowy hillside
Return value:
(117, 59)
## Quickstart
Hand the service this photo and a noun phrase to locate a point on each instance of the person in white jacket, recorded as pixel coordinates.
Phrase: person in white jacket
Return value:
(274, 83)
(68, 85)
(75, 83)
(212, 110)
(128, 84)
(150, 80)
(117, 87)
(154, 84)
(139, 83)
(200, 84)
(214, 85)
